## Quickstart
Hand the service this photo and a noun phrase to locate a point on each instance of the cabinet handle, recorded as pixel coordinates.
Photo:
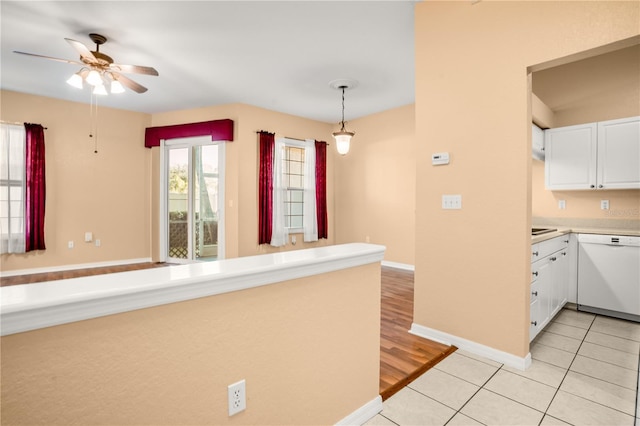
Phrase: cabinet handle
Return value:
(592, 186)
(600, 186)
(566, 241)
(534, 293)
(535, 323)
(535, 273)
(564, 253)
(553, 259)
(535, 253)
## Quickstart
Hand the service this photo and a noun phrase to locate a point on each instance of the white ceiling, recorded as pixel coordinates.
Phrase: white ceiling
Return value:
(276, 55)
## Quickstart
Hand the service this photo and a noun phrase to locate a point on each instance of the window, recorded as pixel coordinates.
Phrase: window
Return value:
(294, 191)
(12, 188)
(293, 176)
(291, 179)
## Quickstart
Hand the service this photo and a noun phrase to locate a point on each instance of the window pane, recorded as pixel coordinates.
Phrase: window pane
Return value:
(15, 193)
(296, 195)
(296, 154)
(295, 181)
(16, 208)
(4, 226)
(296, 209)
(296, 168)
(16, 225)
(296, 222)
(4, 193)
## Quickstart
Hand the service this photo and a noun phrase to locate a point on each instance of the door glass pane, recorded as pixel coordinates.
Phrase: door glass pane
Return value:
(206, 202)
(178, 203)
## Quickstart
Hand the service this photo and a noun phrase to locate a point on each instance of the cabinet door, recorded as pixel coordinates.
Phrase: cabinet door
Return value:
(559, 263)
(534, 312)
(537, 142)
(619, 154)
(570, 157)
(541, 271)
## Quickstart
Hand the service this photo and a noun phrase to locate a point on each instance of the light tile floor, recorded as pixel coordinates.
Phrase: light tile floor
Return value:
(584, 372)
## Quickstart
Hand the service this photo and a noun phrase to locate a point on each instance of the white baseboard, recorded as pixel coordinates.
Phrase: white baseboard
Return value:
(71, 267)
(364, 413)
(473, 347)
(397, 265)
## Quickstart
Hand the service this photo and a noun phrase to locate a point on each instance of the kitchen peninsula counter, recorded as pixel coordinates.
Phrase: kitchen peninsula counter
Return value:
(38, 305)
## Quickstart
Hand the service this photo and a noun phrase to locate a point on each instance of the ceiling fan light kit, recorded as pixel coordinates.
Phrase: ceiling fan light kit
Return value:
(99, 69)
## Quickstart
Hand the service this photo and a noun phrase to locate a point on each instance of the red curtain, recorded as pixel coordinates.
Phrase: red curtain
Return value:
(265, 187)
(35, 189)
(321, 188)
(219, 130)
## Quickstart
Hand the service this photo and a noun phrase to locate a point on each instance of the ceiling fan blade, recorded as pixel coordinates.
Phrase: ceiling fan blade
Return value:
(126, 81)
(49, 57)
(136, 69)
(83, 50)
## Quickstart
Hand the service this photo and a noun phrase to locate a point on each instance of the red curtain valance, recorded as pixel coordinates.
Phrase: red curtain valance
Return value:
(220, 130)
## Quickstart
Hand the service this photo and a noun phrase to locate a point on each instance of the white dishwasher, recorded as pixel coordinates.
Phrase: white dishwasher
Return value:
(609, 275)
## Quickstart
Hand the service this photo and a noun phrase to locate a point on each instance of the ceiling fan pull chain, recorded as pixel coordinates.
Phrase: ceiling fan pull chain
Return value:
(95, 140)
(93, 121)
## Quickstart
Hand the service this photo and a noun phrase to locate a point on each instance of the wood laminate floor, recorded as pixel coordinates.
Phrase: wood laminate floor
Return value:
(403, 356)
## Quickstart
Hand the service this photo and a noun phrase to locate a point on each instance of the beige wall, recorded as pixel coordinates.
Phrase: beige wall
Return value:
(307, 348)
(107, 193)
(473, 100)
(375, 184)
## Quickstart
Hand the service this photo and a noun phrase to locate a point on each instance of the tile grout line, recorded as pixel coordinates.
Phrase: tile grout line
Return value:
(474, 394)
(596, 378)
(567, 372)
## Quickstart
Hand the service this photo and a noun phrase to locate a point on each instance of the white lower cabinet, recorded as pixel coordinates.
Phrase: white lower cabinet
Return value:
(549, 281)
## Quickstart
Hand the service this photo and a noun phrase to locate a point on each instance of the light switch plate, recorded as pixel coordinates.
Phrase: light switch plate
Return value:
(604, 204)
(562, 204)
(452, 202)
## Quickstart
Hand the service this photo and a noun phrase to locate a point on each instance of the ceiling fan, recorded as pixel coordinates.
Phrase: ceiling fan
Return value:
(98, 68)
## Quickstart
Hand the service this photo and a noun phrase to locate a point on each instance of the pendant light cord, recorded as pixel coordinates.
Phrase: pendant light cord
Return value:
(342, 109)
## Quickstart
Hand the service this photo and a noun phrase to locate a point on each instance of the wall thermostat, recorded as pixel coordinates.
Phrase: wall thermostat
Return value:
(440, 158)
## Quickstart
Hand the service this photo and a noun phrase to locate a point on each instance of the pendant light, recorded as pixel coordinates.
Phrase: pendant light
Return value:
(342, 137)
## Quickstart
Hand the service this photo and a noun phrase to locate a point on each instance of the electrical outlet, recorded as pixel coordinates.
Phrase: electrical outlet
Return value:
(237, 397)
(562, 204)
(604, 204)
(70, 244)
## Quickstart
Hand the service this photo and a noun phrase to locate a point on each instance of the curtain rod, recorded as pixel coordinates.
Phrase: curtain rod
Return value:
(288, 137)
(15, 122)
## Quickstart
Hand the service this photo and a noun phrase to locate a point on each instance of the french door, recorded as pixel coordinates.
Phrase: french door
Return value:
(193, 201)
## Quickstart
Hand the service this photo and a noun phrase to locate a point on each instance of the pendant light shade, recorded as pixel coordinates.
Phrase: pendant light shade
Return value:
(343, 141)
(116, 87)
(75, 80)
(342, 137)
(99, 90)
(94, 78)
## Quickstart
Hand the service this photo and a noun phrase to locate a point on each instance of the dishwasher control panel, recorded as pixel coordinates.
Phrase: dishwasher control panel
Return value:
(621, 240)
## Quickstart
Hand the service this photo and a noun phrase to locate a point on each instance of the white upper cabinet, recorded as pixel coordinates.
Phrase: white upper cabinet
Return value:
(619, 153)
(603, 155)
(571, 154)
(537, 142)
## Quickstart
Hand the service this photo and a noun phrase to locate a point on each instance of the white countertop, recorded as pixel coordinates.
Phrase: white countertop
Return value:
(32, 306)
(562, 230)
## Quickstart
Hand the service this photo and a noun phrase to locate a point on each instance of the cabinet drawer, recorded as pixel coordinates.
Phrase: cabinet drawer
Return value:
(535, 252)
(534, 291)
(545, 248)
